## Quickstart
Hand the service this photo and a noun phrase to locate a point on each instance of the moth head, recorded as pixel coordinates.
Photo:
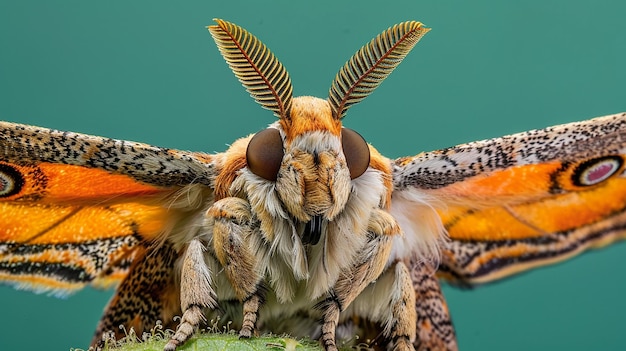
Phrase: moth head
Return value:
(307, 153)
(311, 158)
(310, 129)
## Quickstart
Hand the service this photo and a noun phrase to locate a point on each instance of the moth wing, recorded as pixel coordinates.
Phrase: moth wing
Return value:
(78, 209)
(521, 201)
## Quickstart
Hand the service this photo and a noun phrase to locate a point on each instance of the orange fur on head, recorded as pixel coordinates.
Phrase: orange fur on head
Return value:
(233, 160)
(309, 114)
(381, 163)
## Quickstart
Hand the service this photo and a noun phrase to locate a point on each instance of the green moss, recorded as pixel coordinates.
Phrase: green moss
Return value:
(219, 339)
(211, 341)
(225, 342)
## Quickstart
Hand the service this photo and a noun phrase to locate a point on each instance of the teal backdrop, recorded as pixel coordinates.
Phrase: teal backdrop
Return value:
(149, 71)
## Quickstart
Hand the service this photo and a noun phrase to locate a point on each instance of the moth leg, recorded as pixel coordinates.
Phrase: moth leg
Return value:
(147, 294)
(196, 293)
(435, 330)
(232, 228)
(401, 321)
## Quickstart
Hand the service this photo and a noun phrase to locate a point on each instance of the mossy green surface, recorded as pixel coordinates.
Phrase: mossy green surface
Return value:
(225, 342)
(229, 341)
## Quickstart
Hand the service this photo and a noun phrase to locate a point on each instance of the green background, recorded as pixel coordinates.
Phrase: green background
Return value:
(149, 71)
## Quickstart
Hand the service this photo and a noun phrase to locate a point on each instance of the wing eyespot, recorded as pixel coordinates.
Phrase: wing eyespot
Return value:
(356, 151)
(597, 170)
(265, 154)
(11, 180)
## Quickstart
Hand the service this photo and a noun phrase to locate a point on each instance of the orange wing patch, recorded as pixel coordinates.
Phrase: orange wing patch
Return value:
(63, 226)
(534, 200)
(53, 183)
(56, 224)
(527, 216)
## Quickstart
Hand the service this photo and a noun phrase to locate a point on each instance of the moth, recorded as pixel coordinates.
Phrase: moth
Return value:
(302, 227)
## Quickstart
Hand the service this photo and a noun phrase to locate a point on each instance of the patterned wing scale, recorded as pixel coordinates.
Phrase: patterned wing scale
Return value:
(490, 242)
(77, 209)
(23, 144)
(525, 200)
(63, 226)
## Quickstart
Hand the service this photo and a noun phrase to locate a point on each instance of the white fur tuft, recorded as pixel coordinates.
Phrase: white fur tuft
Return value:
(421, 225)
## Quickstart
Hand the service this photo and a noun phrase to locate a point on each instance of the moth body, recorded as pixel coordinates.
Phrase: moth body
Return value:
(301, 207)
(258, 230)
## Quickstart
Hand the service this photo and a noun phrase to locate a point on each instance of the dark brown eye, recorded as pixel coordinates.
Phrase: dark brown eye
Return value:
(356, 151)
(265, 153)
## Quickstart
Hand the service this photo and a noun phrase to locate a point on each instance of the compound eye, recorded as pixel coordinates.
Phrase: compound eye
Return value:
(356, 151)
(265, 153)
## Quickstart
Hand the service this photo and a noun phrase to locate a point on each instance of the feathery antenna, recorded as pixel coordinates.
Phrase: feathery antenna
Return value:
(369, 66)
(258, 70)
